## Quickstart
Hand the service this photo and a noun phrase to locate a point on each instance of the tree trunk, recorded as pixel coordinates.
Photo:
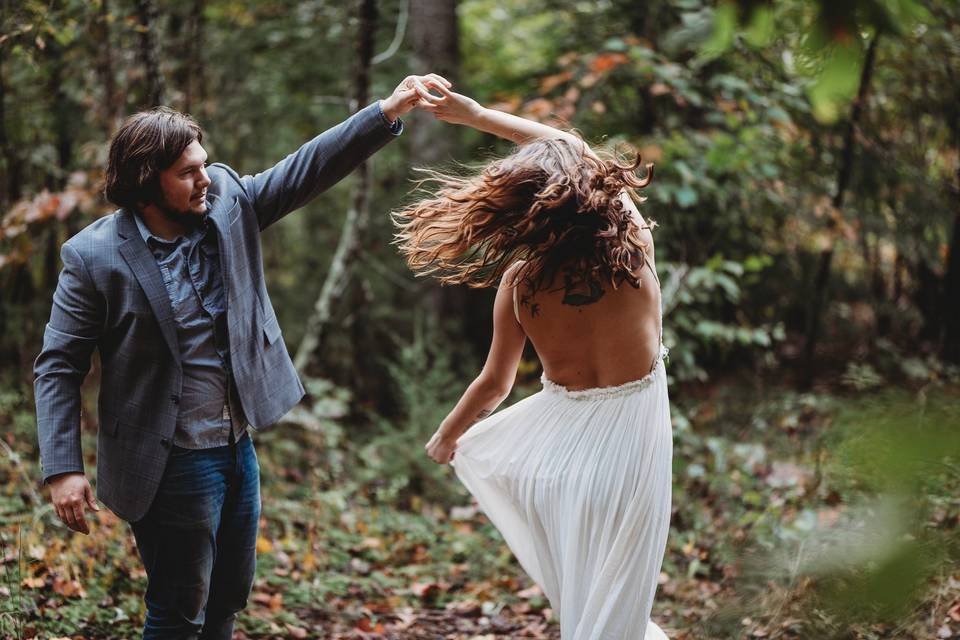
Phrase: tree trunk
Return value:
(57, 177)
(101, 34)
(358, 216)
(149, 53)
(899, 264)
(843, 178)
(435, 39)
(436, 48)
(193, 87)
(12, 176)
(927, 297)
(951, 286)
(951, 279)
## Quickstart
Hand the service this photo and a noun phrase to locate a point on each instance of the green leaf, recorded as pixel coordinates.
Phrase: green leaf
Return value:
(837, 83)
(686, 196)
(724, 29)
(761, 27)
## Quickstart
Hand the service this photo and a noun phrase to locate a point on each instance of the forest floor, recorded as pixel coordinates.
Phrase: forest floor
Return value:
(791, 519)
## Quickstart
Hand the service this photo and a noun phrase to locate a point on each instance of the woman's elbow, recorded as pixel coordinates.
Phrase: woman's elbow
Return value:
(494, 388)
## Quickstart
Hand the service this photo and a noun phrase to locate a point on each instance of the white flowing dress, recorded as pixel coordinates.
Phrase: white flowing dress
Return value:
(579, 485)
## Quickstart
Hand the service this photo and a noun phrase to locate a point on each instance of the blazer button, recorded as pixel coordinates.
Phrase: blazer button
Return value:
(175, 398)
(165, 442)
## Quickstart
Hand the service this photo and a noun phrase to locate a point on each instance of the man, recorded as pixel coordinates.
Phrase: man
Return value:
(170, 289)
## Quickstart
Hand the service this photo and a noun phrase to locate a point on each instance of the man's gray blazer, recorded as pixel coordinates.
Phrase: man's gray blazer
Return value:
(111, 297)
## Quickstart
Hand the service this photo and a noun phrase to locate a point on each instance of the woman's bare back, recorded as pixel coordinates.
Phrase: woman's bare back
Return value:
(589, 334)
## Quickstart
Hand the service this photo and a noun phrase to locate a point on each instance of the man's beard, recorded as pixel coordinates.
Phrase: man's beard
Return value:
(185, 218)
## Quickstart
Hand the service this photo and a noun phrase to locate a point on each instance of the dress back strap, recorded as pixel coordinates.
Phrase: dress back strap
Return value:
(514, 281)
(516, 304)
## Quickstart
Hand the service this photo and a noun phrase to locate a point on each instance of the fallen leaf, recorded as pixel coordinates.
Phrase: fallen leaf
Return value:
(264, 545)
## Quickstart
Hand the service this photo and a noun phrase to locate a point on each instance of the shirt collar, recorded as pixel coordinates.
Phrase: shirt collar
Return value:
(142, 226)
(148, 235)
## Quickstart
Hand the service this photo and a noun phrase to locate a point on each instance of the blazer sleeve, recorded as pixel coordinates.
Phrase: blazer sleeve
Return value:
(75, 327)
(317, 165)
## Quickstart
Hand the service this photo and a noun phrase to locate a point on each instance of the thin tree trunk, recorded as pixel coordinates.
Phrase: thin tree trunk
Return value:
(12, 177)
(61, 117)
(927, 297)
(101, 34)
(951, 286)
(843, 178)
(149, 54)
(193, 85)
(358, 215)
(899, 264)
(6, 193)
(951, 279)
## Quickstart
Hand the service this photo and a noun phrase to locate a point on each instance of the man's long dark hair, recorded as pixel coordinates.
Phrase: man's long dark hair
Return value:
(145, 144)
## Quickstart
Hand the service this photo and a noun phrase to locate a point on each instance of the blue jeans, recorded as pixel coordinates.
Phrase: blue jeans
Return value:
(198, 542)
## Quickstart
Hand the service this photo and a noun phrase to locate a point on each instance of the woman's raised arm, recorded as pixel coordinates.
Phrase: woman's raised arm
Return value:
(456, 108)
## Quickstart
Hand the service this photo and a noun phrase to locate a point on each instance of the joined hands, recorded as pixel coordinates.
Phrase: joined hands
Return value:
(410, 93)
(415, 92)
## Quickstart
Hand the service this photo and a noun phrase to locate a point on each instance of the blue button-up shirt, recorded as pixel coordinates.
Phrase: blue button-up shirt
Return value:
(190, 267)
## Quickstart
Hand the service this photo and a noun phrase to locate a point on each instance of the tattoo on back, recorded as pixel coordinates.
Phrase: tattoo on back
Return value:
(534, 307)
(580, 289)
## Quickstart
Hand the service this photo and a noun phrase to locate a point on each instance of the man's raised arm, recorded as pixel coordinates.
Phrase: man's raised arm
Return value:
(329, 157)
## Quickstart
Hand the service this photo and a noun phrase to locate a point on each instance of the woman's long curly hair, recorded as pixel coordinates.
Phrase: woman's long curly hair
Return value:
(551, 204)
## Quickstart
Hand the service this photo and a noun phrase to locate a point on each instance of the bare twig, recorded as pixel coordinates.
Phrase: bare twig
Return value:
(398, 34)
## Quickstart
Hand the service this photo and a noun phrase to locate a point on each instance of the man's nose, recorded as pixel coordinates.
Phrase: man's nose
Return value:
(204, 178)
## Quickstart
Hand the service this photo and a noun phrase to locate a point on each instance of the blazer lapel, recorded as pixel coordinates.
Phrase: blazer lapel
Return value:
(134, 250)
(220, 215)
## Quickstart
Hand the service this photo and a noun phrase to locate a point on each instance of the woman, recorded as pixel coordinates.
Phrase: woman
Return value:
(577, 476)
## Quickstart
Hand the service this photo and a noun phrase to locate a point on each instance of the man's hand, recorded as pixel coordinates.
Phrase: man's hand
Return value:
(70, 494)
(408, 93)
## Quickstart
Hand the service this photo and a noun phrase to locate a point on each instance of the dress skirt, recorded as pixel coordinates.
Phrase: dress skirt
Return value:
(579, 485)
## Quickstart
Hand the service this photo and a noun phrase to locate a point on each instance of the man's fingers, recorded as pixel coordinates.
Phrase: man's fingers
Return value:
(80, 523)
(408, 97)
(65, 514)
(91, 501)
(424, 93)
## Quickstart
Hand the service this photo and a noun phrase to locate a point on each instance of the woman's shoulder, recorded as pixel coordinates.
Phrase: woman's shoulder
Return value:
(512, 275)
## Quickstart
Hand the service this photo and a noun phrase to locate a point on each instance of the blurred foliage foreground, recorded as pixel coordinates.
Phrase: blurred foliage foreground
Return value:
(819, 515)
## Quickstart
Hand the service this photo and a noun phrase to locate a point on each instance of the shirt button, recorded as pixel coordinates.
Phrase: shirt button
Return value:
(158, 255)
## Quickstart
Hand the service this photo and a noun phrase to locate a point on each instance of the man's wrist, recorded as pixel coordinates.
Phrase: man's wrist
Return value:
(387, 111)
(60, 475)
(389, 117)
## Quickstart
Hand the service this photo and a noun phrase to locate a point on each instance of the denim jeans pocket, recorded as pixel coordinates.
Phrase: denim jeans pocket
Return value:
(180, 452)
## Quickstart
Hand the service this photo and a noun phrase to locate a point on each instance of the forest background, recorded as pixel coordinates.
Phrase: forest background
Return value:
(807, 192)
